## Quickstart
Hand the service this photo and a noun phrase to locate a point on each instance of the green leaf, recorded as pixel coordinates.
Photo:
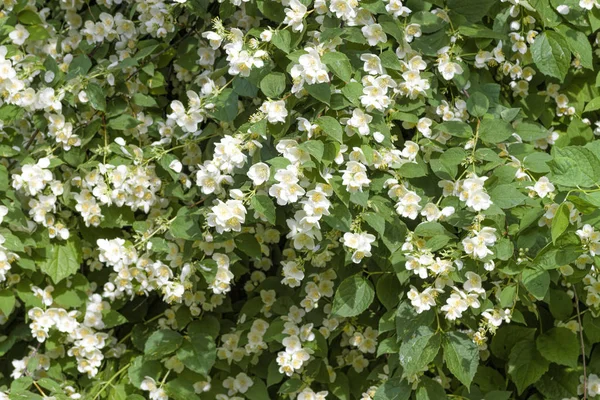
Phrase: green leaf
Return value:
(559, 345)
(536, 281)
(62, 260)
(282, 39)
(428, 21)
(507, 196)
(226, 106)
(273, 84)
(8, 113)
(388, 290)
(181, 389)
(258, 390)
(561, 305)
(559, 383)
(144, 100)
(38, 32)
(461, 356)
(340, 388)
(331, 127)
(592, 105)
(430, 389)
(320, 91)
(352, 91)
(354, 295)
(574, 166)
(478, 104)
(7, 302)
(530, 131)
(162, 343)
(456, 128)
(313, 147)
(495, 130)
(551, 54)
(480, 31)
(263, 205)
(472, 10)
(591, 328)
(393, 389)
(579, 45)
(79, 66)
(390, 60)
(117, 217)
(199, 352)
(415, 354)
(140, 368)
(340, 218)
(291, 385)
(186, 225)
(247, 243)
(526, 365)
(339, 64)
(28, 17)
(123, 122)
(548, 15)
(96, 96)
(537, 162)
(560, 221)
(388, 346)
(113, 318)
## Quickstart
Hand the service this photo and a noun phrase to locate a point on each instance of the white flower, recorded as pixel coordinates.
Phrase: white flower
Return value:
(156, 393)
(374, 34)
(19, 35)
(266, 35)
(397, 9)
(355, 177)
(360, 243)
(309, 394)
(294, 15)
(422, 301)
(412, 31)
(455, 306)
(259, 173)
(495, 317)
(473, 283)
(448, 69)
(543, 187)
(588, 4)
(176, 166)
(476, 245)
(275, 110)
(227, 216)
(360, 121)
(292, 274)
(372, 64)
(210, 179)
(287, 190)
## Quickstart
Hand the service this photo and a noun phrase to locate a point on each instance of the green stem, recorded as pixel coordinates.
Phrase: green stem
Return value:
(119, 372)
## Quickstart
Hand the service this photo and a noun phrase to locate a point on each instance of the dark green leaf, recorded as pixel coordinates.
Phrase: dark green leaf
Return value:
(551, 54)
(62, 260)
(461, 356)
(354, 295)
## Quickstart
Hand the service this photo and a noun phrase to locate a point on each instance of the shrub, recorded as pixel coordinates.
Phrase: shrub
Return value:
(259, 199)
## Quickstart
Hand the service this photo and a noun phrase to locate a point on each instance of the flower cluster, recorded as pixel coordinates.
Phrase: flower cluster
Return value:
(299, 199)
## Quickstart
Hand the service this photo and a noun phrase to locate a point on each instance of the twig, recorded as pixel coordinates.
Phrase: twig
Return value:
(197, 203)
(39, 389)
(582, 344)
(27, 146)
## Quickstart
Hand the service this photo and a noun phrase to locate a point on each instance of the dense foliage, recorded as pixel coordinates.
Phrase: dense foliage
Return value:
(328, 199)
